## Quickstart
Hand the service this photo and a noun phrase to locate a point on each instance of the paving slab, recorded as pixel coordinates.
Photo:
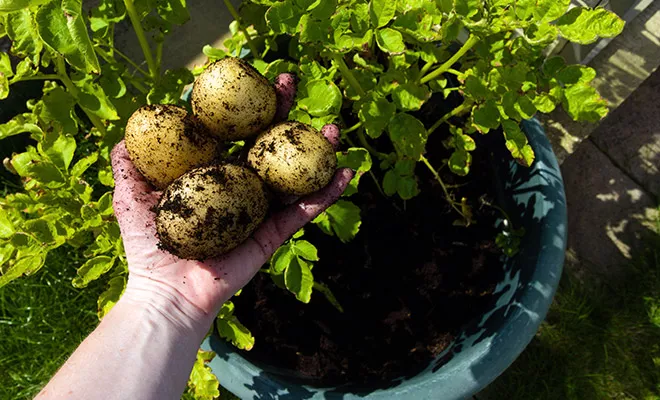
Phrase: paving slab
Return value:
(209, 24)
(630, 135)
(608, 212)
(627, 61)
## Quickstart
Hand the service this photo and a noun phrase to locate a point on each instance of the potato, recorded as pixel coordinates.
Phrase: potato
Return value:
(210, 210)
(293, 158)
(233, 99)
(164, 142)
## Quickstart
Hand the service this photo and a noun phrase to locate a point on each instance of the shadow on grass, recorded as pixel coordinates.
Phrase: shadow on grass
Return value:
(596, 342)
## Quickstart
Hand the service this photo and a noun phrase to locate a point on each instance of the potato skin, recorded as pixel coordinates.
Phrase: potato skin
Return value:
(165, 141)
(233, 100)
(210, 210)
(293, 158)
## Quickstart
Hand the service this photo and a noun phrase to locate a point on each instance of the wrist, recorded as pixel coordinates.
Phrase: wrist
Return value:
(163, 304)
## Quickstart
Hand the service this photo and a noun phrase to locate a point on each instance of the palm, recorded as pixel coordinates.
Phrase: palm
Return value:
(205, 284)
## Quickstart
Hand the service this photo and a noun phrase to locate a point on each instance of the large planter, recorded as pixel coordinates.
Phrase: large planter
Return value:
(534, 198)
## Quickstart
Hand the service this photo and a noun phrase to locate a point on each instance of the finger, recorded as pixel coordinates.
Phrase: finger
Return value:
(243, 262)
(134, 197)
(331, 132)
(285, 90)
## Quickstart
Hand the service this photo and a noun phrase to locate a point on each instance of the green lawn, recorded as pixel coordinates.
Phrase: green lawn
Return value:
(597, 343)
(42, 320)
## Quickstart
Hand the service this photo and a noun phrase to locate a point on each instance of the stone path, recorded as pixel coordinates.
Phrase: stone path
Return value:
(612, 183)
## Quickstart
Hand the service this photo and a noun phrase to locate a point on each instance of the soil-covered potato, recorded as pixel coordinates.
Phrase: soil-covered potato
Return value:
(293, 158)
(210, 210)
(165, 141)
(233, 99)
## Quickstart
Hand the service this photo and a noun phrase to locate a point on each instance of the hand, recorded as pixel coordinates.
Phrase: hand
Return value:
(202, 286)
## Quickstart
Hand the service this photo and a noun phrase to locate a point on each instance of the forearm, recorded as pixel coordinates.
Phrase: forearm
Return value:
(144, 348)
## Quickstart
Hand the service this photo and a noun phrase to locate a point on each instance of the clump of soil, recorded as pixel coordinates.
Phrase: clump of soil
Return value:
(408, 282)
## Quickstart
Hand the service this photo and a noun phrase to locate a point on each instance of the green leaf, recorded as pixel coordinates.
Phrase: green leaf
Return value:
(553, 65)
(20, 123)
(573, 74)
(6, 254)
(203, 382)
(460, 161)
(299, 280)
(306, 250)
(41, 230)
(313, 31)
(381, 12)
(7, 6)
(283, 17)
(59, 149)
(29, 164)
(525, 107)
(83, 164)
(111, 295)
(390, 41)
(583, 103)
(322, 97)
(173, 11)
(92, 270)
(232, 330)
(62, 28)
(517, 143)
(359, 160)
(343, 218)
(281, 259)
(6, 227)
(22, 30)
(27, 265)
(325, 290)
(408, 135)
(170, 87)
(212, 53)
(468, 8)
(410, 97)
(93, 98)
(476, 88)
(550, 10)
(486, 116)
(376, 115)
(544, 103)
(583, 25)
(58, 106)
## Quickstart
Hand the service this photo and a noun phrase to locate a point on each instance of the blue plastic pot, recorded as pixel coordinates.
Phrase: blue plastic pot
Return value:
(534, 198)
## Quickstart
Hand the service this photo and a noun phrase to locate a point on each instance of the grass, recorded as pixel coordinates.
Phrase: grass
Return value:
(596, 343)
(42, 320)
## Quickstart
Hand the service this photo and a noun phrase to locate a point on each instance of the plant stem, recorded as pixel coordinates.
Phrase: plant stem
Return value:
(424, 70)
(456, 111)
(142, 39)
(343, 68)
(159, 53)
(131, 62)
(366, 145)
(472, 40)
(352, 128)
(234, 13)
(37, 78)
(454, 71)
(60, 68)
(442, 185)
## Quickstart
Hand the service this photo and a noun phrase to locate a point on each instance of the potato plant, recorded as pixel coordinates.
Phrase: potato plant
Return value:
(370, 65)
(365, 65)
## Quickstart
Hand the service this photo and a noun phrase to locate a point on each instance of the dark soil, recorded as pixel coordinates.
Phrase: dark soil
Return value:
(408, 282)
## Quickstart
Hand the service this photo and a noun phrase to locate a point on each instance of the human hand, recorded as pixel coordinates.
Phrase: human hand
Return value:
(202, 286)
